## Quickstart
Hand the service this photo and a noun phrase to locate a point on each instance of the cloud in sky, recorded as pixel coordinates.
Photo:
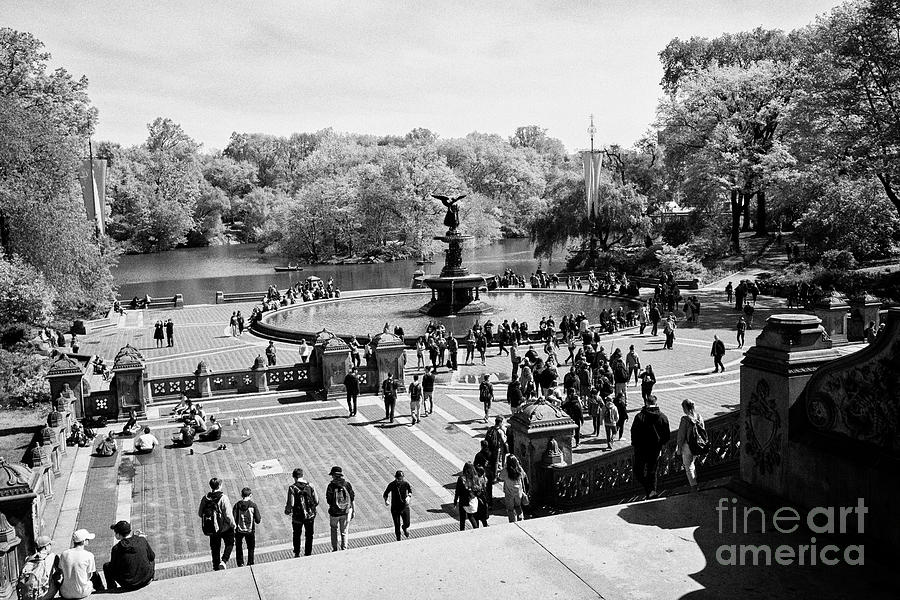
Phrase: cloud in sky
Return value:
(381, 67)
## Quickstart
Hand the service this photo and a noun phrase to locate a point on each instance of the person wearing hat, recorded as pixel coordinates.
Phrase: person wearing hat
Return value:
(77, 567)
(131, 563)
(40, 573)
(400, 491)
(340, 497)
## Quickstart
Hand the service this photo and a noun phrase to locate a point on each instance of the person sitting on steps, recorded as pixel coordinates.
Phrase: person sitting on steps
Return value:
(213, 433)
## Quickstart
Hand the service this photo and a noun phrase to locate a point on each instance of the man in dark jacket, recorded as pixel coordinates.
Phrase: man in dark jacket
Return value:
(649, 434)
(301, 506)
(428, 390)
(351, 382)
(717, 352)
(131, 564)
(389, 394)
(217, 523)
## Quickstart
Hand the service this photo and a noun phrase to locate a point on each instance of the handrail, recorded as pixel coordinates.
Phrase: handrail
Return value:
(609, 478)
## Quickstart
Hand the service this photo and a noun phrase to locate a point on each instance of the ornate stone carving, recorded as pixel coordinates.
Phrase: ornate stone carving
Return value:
(764, 428)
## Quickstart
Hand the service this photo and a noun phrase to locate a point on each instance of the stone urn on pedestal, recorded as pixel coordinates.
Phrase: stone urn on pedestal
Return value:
(541, 436)
(259, 369)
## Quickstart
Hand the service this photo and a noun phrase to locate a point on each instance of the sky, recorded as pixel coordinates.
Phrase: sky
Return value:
(381, 67)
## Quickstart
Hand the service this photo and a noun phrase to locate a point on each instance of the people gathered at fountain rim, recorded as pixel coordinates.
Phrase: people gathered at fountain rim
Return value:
(311, 289)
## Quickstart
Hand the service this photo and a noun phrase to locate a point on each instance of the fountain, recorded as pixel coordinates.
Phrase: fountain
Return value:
(455, 291)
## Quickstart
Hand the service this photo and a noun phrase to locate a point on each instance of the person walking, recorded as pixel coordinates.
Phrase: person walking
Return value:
(515, 489)
(420, 353)
(690, 421)
(741, 331)
(415, 400)
(669, 330)
(621, 404)
(648, 380)
(170, 333)
(453, 353)
(399, 492)
(428, 391)
(340, 498)
(470, 348)
(497, 450)
(620, 372)
(351, 384)
(514, 358)
(643, 318)
(729, 292)
(217, 523)
(301, 506)
(572, 407)
(514, 396)
(486, 395)
(241, 323)
(131, 563)
(389, 395)
(649, 434)
(717, 352)
(610, 421)
(465, 496)
(595, 410)
(246, 518)
(233, 324)
(270, 353)
(654, 318)
(633, 364)
(77, 568)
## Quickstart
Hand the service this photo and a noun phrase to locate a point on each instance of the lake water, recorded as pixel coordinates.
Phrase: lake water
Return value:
(197, 273)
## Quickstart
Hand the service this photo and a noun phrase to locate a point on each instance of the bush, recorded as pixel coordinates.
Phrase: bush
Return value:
(839, 260)
(679, 261)
(25, 296)
(22, 380)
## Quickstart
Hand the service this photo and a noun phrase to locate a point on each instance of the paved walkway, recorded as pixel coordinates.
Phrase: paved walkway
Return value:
(160, 494)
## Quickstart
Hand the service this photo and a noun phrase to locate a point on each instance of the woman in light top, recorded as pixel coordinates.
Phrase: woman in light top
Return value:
(515, 488)
(689, 421)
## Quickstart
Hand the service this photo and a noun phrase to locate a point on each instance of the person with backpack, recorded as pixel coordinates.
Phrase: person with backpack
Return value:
(428, 391)
(717, 352)
(610, 421)
(620, 372)
(217, 523)
(131, 564)
(301, 506)
(246, 518)
(486, 395)
(389, 394)
(649, 434)
(40, 576)
(572, 407)
(692, 441)
(340, 497)
(400, 492)
(497, 450)
(415, 400)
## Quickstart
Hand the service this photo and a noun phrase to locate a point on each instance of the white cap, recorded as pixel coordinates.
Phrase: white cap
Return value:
(81, 535)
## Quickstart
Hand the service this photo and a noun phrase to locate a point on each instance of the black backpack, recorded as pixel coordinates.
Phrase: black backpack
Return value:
(698, 439)
(304, 506)
(210, 518)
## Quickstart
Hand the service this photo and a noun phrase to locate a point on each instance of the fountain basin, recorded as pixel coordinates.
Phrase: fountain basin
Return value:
(458, 295)
(361, 315)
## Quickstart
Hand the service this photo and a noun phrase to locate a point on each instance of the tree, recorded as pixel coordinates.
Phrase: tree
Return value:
(25, 296)
(849, 113)
(45, 120)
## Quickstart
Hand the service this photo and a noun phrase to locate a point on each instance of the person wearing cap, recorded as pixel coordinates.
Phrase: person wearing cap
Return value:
(400, 491)
(77, 567)
(340, 497)
(43, 569)
(131, 563)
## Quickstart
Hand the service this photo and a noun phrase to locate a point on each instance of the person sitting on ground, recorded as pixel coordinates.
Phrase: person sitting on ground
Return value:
(145, 442)
(80, 435)
(185, 437)
(130, 427)
(183, 406)
(131, 560)
(213, 433)
(197, 420)
(107, 446)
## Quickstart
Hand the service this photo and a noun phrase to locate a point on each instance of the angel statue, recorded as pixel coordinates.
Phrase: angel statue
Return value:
(451, 219)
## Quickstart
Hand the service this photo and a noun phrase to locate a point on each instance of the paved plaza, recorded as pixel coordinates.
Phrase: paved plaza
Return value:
(160, 493)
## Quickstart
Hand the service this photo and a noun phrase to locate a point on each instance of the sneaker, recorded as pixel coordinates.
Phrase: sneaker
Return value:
(406, 532)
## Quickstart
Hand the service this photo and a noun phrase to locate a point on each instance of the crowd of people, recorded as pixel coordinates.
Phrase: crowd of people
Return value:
(311, 289)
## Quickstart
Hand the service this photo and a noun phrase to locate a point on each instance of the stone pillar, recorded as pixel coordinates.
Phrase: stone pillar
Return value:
(863, 310)
(541, 435)
(259, 369)
(390, 357)
(201, 378)
(773, 374)
(65, 375)
(834, 311)
(335, 357)
(130, 381)
(9, 559)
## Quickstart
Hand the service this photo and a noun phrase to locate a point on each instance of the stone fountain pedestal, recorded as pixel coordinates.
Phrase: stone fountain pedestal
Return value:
(455, 291)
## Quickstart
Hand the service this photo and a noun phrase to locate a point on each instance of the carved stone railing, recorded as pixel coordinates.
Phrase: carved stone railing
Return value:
(609, 478)
(288, 377)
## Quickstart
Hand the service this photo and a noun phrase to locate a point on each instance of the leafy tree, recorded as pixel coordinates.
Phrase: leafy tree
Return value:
(849, 112)
(25, 296)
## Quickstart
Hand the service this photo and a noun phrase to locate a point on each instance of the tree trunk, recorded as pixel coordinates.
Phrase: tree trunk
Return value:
(5, 247)
(889, 189)
(761, 225)
(746, 206)
(737, 202)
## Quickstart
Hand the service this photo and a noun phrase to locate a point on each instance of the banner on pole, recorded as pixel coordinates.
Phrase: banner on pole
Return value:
(592, 163)
(93, 190)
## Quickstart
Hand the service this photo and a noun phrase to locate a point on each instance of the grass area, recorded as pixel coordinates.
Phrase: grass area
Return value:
(17, 427)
